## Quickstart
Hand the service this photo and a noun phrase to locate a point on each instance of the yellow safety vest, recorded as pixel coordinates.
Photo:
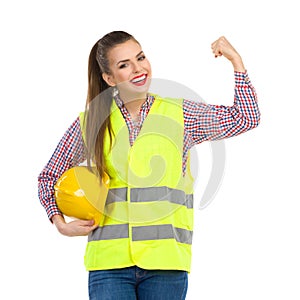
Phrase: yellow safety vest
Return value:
(149, 208)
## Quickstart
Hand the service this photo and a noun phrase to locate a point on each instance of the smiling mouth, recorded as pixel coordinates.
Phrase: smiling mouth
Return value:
(139, 80)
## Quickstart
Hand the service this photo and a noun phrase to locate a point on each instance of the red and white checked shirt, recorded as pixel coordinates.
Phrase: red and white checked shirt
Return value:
(202, 122)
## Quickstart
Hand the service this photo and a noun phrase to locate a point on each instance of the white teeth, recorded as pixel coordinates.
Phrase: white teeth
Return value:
(139, 79)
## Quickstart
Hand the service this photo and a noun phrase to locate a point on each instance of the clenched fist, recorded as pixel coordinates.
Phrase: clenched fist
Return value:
(222, 47)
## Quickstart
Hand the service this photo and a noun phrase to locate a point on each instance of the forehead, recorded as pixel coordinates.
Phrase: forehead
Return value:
(124, 51)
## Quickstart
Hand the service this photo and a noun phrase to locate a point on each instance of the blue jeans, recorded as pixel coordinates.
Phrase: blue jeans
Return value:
(134, 283)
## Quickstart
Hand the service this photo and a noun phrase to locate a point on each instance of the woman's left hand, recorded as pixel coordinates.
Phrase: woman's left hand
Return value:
(222, 47)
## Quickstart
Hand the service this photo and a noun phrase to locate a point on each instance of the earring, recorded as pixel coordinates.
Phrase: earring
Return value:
(115, 91)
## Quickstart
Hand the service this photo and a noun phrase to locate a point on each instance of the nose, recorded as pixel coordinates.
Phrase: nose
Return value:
(136, 67)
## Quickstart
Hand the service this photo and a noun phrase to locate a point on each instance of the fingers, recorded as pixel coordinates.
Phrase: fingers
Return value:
(78, 228)
(218, 46)
(89, 226)
(222, 47)
(86, 226)
(85, 222)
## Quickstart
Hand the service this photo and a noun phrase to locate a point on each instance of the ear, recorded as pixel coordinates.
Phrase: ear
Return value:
(108, 79)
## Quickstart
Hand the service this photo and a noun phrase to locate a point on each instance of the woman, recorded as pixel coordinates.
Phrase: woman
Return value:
(142, 248)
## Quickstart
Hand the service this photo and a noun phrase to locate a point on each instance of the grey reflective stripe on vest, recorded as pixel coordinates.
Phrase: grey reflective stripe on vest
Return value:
(142, 233)
(158, 232)
(110, 232)
(116, 195)
(160, 193)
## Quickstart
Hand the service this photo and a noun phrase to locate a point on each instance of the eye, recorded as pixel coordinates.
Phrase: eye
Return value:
(122, 66)
(142, 57)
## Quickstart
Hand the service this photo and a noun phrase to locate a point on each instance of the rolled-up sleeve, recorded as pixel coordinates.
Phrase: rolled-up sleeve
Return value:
(214, 122)
(68, 153)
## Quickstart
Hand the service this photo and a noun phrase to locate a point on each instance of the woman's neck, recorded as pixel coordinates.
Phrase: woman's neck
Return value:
(134, 104)
(134, 108)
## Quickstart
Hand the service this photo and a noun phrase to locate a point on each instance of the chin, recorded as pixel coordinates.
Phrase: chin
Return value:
(132, 92)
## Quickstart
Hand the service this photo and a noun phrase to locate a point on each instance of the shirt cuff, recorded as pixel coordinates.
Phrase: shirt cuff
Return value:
(52, 213)
(241, 78)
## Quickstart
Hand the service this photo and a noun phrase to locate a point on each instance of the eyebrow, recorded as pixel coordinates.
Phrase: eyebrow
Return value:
(126, 60)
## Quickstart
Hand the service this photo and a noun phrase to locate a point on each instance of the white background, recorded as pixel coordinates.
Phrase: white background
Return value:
(246, 242)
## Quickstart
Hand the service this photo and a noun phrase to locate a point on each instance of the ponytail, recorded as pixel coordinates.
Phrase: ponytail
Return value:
(99, 99)
(97, 111)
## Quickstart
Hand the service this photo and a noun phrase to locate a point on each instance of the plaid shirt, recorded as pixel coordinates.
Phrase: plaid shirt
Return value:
(202, 122)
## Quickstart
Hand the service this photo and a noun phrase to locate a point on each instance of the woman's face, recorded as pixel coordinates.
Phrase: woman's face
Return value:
(130, 70)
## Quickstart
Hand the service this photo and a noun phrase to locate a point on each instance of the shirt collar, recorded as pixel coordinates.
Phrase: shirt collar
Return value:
(148, 102)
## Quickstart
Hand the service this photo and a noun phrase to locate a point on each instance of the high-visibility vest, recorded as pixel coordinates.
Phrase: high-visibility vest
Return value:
(149, 208)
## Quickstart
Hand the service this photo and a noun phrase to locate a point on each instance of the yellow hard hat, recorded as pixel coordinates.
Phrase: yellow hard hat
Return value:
(79, 194)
